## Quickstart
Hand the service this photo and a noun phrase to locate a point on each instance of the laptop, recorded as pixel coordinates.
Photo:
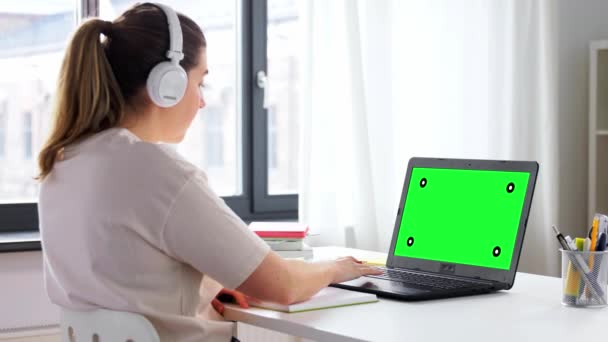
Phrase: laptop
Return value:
(459, 229)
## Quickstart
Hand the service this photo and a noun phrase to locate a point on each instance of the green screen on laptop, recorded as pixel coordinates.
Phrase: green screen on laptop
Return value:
(462, 216)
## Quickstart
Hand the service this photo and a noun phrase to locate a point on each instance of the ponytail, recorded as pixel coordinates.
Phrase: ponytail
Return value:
(88, 98)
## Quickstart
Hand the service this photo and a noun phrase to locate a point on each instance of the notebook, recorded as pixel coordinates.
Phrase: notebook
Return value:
(458, 231)
(329, 297)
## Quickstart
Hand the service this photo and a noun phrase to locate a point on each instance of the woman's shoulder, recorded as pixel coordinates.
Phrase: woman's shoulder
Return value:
(166, 154)
(160, 156)
(121, 148)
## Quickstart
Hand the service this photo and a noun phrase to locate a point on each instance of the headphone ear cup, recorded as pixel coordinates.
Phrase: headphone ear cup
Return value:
(166, 84)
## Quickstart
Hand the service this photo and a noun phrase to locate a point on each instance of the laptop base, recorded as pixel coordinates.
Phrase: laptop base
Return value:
(408, 292)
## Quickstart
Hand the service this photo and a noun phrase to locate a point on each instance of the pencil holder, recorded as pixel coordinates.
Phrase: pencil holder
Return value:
(585, 278)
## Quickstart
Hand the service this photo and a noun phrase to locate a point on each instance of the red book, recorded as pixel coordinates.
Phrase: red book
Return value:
(279, 229)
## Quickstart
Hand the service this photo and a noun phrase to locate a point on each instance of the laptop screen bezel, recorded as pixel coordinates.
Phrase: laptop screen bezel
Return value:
(506, 277)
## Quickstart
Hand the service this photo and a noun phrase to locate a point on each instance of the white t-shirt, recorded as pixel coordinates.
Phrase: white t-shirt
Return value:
(130, 225)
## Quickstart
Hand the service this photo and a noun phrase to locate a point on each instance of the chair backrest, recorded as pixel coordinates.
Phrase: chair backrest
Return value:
(103, 325)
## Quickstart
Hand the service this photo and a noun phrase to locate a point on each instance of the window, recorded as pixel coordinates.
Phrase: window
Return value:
(3, 122)
(230, 139)
(275, 27)
(214, 138)
(283, 47)
(27, 135)
(272, 139)
(33, 36)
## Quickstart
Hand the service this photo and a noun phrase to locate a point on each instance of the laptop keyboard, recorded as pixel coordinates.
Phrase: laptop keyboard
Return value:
(422, 279)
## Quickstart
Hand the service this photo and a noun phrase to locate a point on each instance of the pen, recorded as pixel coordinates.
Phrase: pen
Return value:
(601, 242)
(592, 247)
(594, 227)
(580, 262)
(571, 243)
(560, 239)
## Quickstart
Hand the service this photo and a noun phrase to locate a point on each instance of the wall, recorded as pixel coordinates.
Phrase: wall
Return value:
(578, 22)
(23, 301)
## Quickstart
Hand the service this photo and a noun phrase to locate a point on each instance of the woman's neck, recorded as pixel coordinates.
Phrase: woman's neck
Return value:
(144, 124)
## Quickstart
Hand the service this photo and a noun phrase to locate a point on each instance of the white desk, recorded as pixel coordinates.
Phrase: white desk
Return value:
(530, 311)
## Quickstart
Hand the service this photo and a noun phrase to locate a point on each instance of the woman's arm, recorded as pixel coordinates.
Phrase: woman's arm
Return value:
(204, 247)
(290, 281)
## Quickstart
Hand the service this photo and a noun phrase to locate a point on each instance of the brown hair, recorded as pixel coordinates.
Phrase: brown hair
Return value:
(98, 79)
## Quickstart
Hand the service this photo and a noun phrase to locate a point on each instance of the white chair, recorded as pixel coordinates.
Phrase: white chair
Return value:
(103, 325)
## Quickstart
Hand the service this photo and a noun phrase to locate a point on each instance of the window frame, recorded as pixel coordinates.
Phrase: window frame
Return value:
(255, 203)
(262, 200)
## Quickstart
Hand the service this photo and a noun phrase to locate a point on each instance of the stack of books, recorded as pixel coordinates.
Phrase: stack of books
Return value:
(285, 238)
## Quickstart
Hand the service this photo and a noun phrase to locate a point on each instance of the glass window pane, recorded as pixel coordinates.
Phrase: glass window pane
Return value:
(3, 127)
(26, 127)
(213, 140)
(283, 108)
(33, 36)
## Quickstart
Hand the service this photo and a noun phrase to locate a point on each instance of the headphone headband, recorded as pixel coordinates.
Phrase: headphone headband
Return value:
(174, 53)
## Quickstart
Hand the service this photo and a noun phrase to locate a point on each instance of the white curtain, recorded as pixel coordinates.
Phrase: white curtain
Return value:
(388, 80)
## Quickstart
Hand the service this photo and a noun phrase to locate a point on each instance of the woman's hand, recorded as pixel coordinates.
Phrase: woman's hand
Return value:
(240, 298)
(349, 268)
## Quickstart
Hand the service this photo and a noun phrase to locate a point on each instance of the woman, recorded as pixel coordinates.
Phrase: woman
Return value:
(126, 223)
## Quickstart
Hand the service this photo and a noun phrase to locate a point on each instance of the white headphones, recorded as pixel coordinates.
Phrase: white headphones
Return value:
(167, 80)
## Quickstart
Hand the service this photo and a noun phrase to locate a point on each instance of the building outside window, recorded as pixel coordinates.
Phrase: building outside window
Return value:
(27, 135)
(214, 137)
(272, 140)
(3, 124)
